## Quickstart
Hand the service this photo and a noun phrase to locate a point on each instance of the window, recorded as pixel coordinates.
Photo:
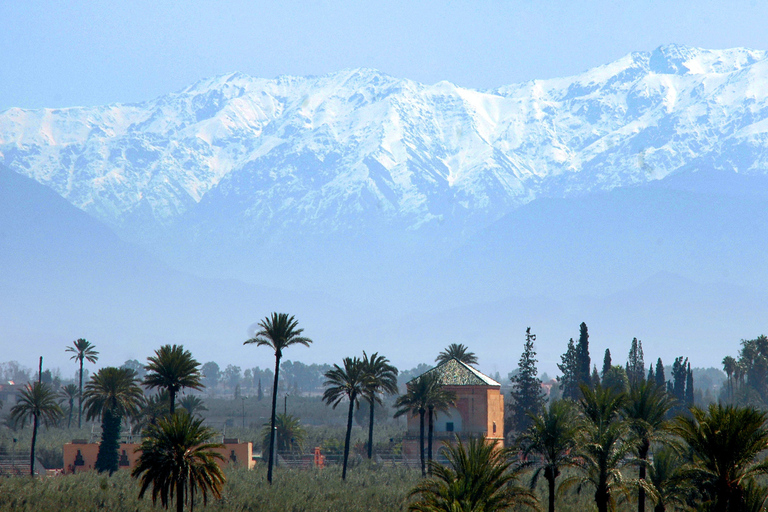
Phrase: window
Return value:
(494, 427)
(449, 426)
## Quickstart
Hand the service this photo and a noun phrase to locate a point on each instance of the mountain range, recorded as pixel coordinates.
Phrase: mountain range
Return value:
(404, 200)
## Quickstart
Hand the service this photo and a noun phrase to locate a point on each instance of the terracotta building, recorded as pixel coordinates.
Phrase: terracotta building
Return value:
(479, 409)
(80, 455)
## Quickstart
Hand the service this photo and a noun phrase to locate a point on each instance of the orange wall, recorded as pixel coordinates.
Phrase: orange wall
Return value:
(243, 453)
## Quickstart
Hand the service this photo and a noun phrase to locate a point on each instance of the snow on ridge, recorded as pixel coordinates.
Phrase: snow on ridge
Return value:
(414, 147)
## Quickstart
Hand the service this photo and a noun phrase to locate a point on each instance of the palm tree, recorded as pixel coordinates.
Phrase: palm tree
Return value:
(153, 408)
(729, 366)
(176, 458)
(112, 394)
(277, 332)
(348, 382)
(456, 351)
(192, 404)
(603, 444)
(173, 368)
(439, 399)
(645, 411)
(69, 393)
(380, 378)
(415, 401)
(666, 476)
(290, 434)
(552, 438)
(478, 477)
(725, 441)
(83, 351)
(36, 402)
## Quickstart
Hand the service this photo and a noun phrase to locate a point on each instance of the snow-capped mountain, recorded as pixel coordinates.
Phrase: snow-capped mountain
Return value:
(322, 153)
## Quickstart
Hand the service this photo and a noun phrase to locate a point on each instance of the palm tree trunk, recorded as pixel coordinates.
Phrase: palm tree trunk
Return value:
(71, 409)
(370, 431)
(179, 497)
(421, 441)
(430, 412)
(32, 449)
(601, 498)
(274, 411)
(80, 398)
(348, 436)
(172, 395)
(550, 476)
(645, 445)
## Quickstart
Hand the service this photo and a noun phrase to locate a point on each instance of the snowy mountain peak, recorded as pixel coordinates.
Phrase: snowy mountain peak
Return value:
(324, 152)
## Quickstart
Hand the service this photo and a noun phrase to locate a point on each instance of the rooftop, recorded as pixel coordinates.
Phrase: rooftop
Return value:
(456, 373)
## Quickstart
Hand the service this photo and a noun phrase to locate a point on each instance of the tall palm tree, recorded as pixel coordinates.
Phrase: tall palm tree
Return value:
(479, 477)
(725, 441)
(111, 394)
(456, 351)
(83, 350)
(439, 399)
(36, 402)
(173, 368)
(69, 393)
(603, 444)
(380, 378)
(277, 332)
(347, 382)
(673, 489)
(415, 401)
(153, 408)
(177, 459)
(645, 410)
(729, 366)
(290, 434)
(192, 404)
(552, 438)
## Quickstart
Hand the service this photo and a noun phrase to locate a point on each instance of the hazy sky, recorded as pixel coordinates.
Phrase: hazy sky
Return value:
(64, 53)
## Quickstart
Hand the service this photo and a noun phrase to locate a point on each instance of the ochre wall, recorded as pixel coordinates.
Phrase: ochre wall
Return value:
(243, 453)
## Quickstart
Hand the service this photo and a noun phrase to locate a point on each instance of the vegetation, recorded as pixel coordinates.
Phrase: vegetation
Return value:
(479, 476)
(172, 368)
(277, 332)
(348, 382)
(526, 396)
(380, 378)
(290, 434)
(83, 350)
(112, 394)
(456, 351)
(69, 393)
(36, 403)
(176, 459)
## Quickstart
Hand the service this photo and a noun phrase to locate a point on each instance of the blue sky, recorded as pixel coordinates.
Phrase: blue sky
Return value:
(63, 53)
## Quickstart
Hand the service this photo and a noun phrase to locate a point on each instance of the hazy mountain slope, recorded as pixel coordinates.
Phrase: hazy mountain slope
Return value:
(64, 276)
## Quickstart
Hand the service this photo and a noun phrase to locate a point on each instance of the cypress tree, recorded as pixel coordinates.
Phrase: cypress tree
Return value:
(651, 376)
(260, 393)
(661, 380)
(526, 391)
(679, 376)
(595, 377)
(636, 362)
(606, 362)
(583, 361)
(689, 387)
(107, 458)
(569, 379)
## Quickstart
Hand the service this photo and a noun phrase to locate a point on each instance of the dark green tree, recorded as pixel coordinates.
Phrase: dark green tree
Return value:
(606, 362)
(192, 404)
(583, 361)
(69, 393)
(729, 367)
(345, 383)
(595, 379)
(177, 458)
(260, 392)
(277, 332)
(83, 350)
(552, 440)
(661, 380)
(439, 399)
(290, 434)
(651, 376)
(526, 395)
(478, 477)
(725, 442)
(645, 410)
(569, 382)
(112, 394)
(456, 351)
(635, 362)
(380, 379)
(36, 403)
(415, 401)
(616, 379)
(172, 368)
(211, 375)
(689, 396)
(679, 377)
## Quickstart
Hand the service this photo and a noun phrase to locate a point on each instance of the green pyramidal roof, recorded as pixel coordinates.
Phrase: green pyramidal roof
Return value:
(455, 373)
